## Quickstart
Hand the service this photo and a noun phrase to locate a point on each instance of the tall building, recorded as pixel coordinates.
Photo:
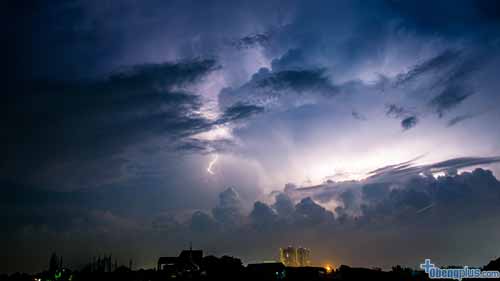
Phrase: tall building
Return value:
(55, 263)
(291, 256)
(303, 257)
(288, 256)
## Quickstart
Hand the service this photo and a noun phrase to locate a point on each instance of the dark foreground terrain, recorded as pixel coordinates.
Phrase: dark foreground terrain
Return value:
(225, 268)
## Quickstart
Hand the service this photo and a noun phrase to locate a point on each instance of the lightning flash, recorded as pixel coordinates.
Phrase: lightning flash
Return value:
(211, 165)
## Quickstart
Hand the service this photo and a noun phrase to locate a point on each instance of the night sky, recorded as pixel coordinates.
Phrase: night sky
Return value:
(368, 131)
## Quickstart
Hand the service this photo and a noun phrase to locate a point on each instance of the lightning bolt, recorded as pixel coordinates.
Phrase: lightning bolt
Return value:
(211, 164)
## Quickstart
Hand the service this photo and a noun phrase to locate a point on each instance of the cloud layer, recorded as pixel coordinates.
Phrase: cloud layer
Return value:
(112, 113)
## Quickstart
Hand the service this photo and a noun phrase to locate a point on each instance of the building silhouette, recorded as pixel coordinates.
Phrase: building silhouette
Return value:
(55, 262)
(190, 265)
(188, 261)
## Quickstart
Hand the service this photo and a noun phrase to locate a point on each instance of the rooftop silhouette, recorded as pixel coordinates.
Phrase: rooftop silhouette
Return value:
(191, 265)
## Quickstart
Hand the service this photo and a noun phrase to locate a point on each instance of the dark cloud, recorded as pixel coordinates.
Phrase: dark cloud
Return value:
(443, 81)
(239, 111)
(293, 59)
(409, 122)
(89, 119)
(263, 216)
(252, 40)
(358, 116)
(384, 179)
(395, 111)
(460, 118)
(406, 170)
(464, 195)
(309, 212)
(85, 38)
(229, 209)
(269, 89)
(416, 205)
(449, 98)
(283, 205)
(421, 201)
(432, 66)
(397, 166)
(407, 117)
(463, 162)
(298, 80)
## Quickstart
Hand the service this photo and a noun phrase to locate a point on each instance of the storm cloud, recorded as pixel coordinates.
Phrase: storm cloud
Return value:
(124, 125)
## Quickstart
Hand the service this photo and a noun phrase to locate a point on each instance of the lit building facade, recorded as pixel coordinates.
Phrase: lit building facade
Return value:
(288, 256)
(291, 256)
(303, 257)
